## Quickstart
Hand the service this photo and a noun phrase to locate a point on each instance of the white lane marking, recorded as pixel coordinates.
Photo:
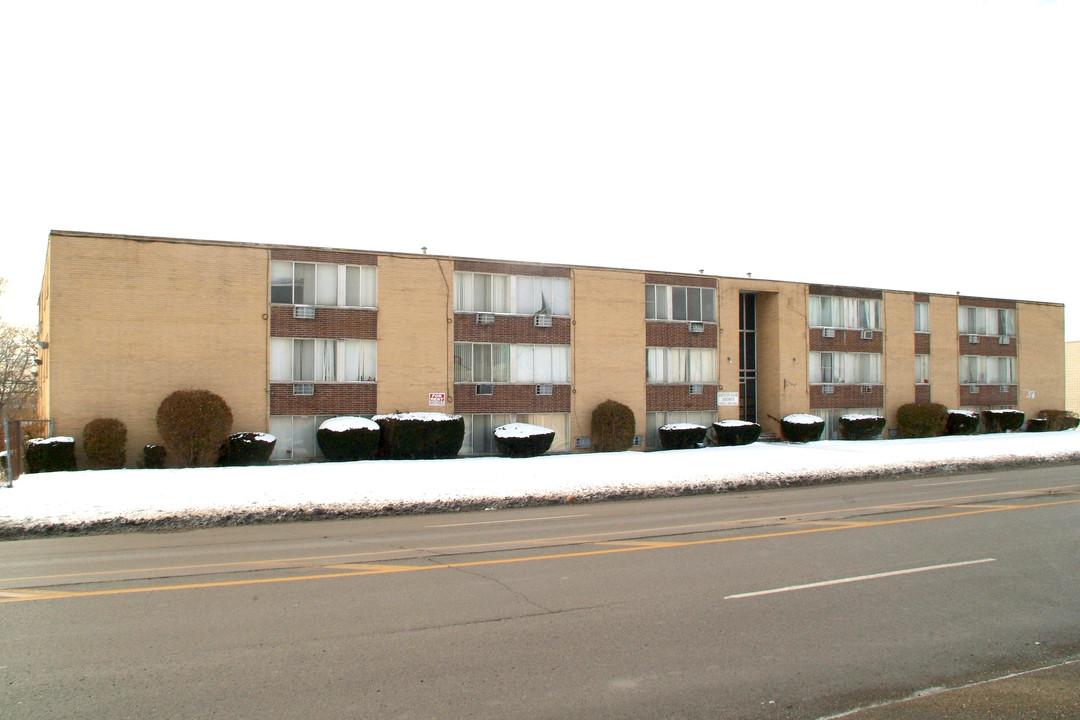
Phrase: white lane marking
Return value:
(504, 522)
(954, 482)
(859, 578)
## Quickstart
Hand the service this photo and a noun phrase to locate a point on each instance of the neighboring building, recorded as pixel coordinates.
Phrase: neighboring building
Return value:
(1072, 376)
(292, 335)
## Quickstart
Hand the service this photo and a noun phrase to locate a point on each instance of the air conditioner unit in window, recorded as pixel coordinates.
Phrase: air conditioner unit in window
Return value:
(541, 321)
(697, 389)
(582, 443)
(973, 339)
(827, 389)
(303, 389)
(544, 389)
(485, 389)
(1003, 340)
(828, 332)
(1003, 388)
(485, 318)
(696, 327)
(866, 389)
(973, 389)
(867, 334)
(304, 312)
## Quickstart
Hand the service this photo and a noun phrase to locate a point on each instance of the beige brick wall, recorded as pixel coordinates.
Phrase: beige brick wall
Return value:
(898, 369)
(416, 332)
(944, 359)
(1040, 363)
(129, 322)
(1072, 376)
(608, 350)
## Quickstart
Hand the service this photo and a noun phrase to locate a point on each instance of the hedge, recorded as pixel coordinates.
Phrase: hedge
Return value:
(729, 433)
(801, 428)
(681, 436)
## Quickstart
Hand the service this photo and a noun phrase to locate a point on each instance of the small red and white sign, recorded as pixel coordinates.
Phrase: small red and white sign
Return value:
(436, 399)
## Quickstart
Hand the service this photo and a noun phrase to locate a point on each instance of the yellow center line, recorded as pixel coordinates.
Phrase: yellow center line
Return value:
(18, 595)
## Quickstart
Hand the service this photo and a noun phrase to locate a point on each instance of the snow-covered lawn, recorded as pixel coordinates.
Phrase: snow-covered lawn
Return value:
(167, 498)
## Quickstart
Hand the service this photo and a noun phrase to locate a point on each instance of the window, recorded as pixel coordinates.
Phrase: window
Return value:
(922, 369)
(845, 368)
(505, 362)
(680, 365)
(672, 302)
(839, 312)
(922, 317)
(322, 284)
(517, 294)
(832, 416)
(480, 429)
(986, 321)
(656, 420)
(296, 436)
(317, 360)
(981, 370)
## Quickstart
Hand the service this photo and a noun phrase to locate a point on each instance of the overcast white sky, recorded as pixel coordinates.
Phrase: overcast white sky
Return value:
(915, 145)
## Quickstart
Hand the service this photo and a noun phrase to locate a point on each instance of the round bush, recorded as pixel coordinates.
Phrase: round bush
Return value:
(520, 440)
(346, 439)
(246, 448)
(729, 433)
(919, 420)
(105, 443)
(420, 436)
(612, 427)
(962, 422)
(56, 454)
(801, 428)
(1060, 419)
(154, 456)
(681, 436)
(861, 427)
(193, 424)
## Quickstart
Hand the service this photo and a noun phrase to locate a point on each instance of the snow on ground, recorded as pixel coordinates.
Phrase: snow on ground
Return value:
(118, 499)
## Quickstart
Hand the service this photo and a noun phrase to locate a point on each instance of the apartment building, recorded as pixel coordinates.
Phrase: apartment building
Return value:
(291, 335)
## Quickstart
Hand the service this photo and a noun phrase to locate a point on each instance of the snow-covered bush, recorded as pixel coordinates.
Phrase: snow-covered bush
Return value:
(612, 427)
(801, 428)
(246, 448)
(347, 438)
(105, 443)
(680, 436)
(728, 433)
(523, 440)
(420, 436)
(861, 427)
(1002, 420)
(962, 422)
(921, 420)
(56, 454)
(1060, 419)
(193, 424)
(1039, 424)
(154, 456)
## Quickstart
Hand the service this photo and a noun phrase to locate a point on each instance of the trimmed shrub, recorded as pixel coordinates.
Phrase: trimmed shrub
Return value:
(1039, 424)
(246, 448)
(962, 422)
(921, 420)
(612, 427)
(420, 436)
(801, 428)
(56, 454)
(1060, 419)
(996, 421)
(346, 439)
(861, 427)
(105, 442)
(520, 440)
(681, 436)
(193, 424)
(729, 433)
(154, 456)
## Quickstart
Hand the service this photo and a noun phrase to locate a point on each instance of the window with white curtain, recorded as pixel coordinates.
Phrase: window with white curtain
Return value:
(680, 365)
(506, 362)
(480, 429)
(360, 360)
(986, 321)
(317, 360)
(841, 312)
(295, 434)
(675, 302)
(983, 370)
(845, 368)
(922, 317)
(326, 284)
(514, 294)
(656, 420)
(922, 369)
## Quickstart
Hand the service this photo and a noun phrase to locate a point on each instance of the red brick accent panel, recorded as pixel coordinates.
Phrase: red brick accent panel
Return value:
(988, 346)
(506, 268)
(848, 292)
(847, 341)
(329, 322)
(329, 399)
(511, 329)
(988, 395)
(922, 297)
(664, 333)
(340, 257)
(515, 398)
(987, 303)
(680, 280)
(845, 396)
(922, 343)
(922, 393)
(663, 398)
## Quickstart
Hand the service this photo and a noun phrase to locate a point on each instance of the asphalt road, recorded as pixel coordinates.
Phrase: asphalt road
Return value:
(847, 600)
